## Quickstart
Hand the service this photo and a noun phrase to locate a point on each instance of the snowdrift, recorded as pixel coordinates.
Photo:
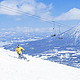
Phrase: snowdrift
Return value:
(12, 68)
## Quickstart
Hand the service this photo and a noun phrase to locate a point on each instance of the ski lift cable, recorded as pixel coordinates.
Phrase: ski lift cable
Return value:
(27, 14)
(12, 10)
(15, 10)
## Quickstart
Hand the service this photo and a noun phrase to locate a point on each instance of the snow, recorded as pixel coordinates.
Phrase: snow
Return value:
(66, 51)
(12, 68)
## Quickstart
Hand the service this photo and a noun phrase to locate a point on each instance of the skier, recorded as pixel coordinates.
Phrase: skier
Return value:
(18, 50)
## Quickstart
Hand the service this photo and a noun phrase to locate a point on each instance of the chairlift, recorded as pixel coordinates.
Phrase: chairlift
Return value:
(53, 25)
(53, 35)
(60, 37)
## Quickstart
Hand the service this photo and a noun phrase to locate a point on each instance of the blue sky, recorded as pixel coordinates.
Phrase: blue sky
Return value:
(39, 14)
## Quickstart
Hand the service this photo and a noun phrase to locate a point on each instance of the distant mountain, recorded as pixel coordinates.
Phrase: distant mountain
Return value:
(68, 39)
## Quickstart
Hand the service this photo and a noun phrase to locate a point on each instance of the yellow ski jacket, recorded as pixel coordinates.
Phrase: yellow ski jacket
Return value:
(18, 50)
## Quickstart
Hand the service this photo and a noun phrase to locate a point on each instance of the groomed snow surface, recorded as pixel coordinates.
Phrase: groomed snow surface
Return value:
(12, 68)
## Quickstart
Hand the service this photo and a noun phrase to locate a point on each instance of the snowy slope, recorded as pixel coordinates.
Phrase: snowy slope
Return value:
(12, 68)
(74, 34)
(71, 39)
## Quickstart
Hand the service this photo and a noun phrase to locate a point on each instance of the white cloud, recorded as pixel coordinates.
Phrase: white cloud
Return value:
(31, 7)
(73, 14)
